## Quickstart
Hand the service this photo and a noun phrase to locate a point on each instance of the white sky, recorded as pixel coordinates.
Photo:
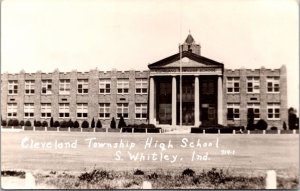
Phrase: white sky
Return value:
(85, 34)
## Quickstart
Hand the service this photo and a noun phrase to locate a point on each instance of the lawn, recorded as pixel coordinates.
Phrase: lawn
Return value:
(244, 154)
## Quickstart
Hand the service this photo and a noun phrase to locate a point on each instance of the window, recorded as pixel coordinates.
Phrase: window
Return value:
(46, 86)
(12, 87)
(273, 110)
(272, 84)
(233, 111)
(82, 86)
(255, 108)
(233, 84)
(12, 110)
(64, 86)
(45, 110)
(122, 110)
(140, 110)
(28, 110)
(253, 84)
(64, 110)
(104, 86)
(82, 110)
(141, 86)
(104, 110)
(123, 86)
(29, 87)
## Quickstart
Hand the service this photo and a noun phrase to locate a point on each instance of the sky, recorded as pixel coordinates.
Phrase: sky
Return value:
(86, 34)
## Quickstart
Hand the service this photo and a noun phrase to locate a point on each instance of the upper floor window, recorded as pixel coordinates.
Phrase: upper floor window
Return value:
(45, 110)
(64, 86)
(29, 87)
(28, 110)
(122, 110)
(104, 110)
(273, 84)
(104, 86)
(12, 110)
(233, 111)
(46, 86)
(253, 84)
(123, 86)
(141, 86)
(82, 110)
(140, 110)
(82, 86)
(273, 111)
(12, 87)
(233, 84)
(255, 108)
(64, 110)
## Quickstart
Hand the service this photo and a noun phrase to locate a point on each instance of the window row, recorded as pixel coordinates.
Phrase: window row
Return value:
(81, 110)
(252, 84)
(141, 86)
(233, 111)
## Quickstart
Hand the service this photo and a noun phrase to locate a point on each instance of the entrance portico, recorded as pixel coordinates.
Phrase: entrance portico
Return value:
(201, 81)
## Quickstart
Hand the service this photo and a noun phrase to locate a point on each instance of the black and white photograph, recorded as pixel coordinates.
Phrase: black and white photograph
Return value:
(149, 94)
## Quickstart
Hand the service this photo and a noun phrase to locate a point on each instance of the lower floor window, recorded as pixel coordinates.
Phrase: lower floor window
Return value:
(122, 110)
(273, 111)
(64, 110)
(82, 110)
(104, 110)
(141, 111)
(233, 111)
(12, 110)
(255, 108)
(28, 110)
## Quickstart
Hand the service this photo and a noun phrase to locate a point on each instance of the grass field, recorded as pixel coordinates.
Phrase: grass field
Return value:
(246, 154)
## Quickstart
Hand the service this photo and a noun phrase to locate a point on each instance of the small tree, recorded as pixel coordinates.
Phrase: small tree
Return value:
(121, 123)
(10, 122)
(113, 123)
(56, 124)
(261, 125)
(85, 124)
(45, 124)
(27, 123)
(15, 122)
(51, 122)
(293, 122)
(70, 123)
(22, 123)
(63, 124)
(93, 123)
(99, 124)
(76, 124)
(250, 119)
(34, 123)
(38, 124)
(3, 123)
(284, 126)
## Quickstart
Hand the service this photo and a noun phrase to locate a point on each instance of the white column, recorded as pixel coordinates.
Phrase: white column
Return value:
(174, 95)
(220, 100)
(197, 102)
(151, 102)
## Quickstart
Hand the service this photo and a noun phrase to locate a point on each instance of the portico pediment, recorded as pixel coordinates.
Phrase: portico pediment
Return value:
(185, 62)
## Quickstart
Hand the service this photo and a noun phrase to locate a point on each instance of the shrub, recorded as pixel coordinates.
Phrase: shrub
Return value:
(284, 127)
(10, 122)
(121, 123)
(64, 124)
(250, 119)
(188, 172)
(113, 123)
(56, 124)
(51, 122)
(95, 176)
(93, 123)
(261, 125)
(15, 122)
(3, 123)
(70, 123)
(273, 128)
(45, 124)
(153, 176)
(22, 123)
(99, 124)
(38, 124)
(27, 123)
(138, 172)
(85, 124)
(76, 124)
